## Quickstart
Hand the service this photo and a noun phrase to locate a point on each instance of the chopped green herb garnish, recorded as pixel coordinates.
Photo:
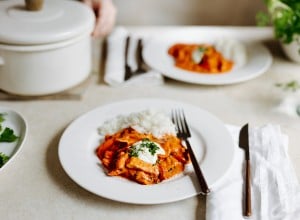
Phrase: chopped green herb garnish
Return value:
(202, 49)
(3, 159)
(152, 147)
(134, 151)
(145, 144)
(8, 135)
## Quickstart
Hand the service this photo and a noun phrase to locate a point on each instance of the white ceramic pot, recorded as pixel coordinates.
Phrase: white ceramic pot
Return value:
(292, 50)
(44, 52)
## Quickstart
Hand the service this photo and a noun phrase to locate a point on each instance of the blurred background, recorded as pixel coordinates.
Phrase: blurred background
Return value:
(188, 12)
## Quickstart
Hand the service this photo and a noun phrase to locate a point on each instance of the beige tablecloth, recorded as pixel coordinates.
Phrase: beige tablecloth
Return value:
(35, 186)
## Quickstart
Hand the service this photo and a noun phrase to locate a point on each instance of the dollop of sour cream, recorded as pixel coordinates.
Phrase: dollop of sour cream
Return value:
(146, 151)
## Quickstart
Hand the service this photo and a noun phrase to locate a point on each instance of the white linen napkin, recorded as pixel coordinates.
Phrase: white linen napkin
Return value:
(115, 62)
(275, 189)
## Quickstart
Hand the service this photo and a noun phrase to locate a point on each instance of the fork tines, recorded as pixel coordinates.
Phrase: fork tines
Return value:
(183, 132)
(178, 118)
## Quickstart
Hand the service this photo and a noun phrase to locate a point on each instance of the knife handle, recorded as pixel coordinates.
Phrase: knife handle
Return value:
(248, 190)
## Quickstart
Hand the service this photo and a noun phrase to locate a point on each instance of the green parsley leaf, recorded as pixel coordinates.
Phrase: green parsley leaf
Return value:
(2, 119)
(3, 159)
(262, 19)
(8, 135)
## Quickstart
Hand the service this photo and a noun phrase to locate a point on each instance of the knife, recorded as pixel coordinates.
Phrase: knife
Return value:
(127, 67)
(244, 144)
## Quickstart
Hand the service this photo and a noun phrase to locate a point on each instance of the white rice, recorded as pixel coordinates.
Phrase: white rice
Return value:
(147, 121)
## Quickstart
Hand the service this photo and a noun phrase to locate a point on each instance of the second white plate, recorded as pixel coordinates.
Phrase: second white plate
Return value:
(156, 56)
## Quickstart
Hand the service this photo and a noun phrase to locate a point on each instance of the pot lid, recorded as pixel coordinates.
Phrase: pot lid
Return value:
(58, 20)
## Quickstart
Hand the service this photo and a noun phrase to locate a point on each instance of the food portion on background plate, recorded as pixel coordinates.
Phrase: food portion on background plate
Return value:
(208, 58)
(249, 58)
(143, 147)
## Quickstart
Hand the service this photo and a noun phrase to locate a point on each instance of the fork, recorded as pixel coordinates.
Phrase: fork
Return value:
(183, 133)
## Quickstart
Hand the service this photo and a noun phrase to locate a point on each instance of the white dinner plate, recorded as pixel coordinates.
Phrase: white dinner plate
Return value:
(210, 140)
(155, 53)
(15, 121)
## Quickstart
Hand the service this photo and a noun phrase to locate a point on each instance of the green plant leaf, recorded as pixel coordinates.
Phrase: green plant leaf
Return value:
(2, 119)
(284, 15)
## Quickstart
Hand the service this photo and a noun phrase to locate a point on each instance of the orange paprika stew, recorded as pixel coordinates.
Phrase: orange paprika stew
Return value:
(211, 62)
(114, 154)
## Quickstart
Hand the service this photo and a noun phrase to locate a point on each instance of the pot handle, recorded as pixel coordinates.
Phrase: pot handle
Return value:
(34, 5)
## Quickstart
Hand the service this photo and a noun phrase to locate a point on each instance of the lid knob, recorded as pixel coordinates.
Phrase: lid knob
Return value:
(34, 5)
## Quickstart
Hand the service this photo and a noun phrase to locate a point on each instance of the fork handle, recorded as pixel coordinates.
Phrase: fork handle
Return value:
(204, 187)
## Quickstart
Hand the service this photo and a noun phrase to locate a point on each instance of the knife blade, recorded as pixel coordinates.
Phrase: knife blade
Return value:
(128, 71)
(244, 144)
(244, 140)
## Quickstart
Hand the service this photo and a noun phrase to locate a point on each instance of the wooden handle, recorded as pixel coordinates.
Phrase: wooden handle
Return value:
(248, 211)
(34, 5)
